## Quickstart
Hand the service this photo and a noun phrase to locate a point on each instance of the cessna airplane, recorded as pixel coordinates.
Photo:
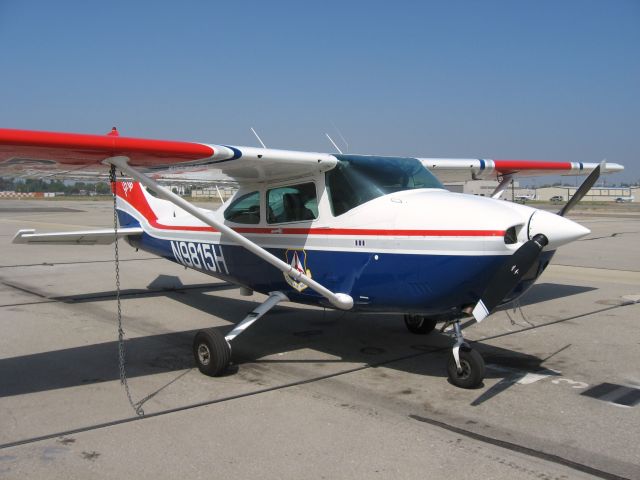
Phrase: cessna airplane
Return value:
(352, 232)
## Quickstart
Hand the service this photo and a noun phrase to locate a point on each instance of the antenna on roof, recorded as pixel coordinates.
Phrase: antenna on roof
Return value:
(258, 137)
(344, 140)
(333, 143)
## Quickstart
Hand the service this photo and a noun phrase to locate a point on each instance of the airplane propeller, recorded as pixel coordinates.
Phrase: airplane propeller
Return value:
(508, 275)
(584, 188)
(524, 258)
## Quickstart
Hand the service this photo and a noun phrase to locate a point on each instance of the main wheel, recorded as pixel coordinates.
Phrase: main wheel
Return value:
(419, 324)
(211, 352)
(472, 372)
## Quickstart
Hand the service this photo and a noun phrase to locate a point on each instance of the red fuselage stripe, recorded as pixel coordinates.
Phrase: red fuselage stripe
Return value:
(137, 200)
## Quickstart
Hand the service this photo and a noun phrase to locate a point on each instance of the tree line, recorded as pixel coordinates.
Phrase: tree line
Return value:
(39, 185)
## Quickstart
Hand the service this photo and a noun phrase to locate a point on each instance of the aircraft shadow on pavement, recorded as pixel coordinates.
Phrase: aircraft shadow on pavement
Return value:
(162, 286)
(541, 292)
(348, 338)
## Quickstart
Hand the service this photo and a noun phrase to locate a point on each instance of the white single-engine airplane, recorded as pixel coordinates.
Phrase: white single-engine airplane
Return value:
(353, 232)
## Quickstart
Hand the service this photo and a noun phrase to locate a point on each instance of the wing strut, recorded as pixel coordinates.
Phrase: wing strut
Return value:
(338, 300)
(504, 184)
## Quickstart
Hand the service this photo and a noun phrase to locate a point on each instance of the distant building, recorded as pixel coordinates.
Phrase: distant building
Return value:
(208, 192)
(177, 189)
(596, 194)
(485, 188)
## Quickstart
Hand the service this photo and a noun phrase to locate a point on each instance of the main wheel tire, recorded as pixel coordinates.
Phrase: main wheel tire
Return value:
(472, 373)
(419, 324)
(211, 352)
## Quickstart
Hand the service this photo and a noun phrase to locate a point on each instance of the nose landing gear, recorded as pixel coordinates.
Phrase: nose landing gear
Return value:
(471, 372)
(465, 366)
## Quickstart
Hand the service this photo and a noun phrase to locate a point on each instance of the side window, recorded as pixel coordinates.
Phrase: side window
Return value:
(245, 209)
(294, 203)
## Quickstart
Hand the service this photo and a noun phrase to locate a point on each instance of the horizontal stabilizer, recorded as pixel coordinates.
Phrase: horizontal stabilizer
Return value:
(84, 237)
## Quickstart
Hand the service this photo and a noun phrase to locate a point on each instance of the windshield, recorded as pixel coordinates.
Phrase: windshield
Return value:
(357, 179)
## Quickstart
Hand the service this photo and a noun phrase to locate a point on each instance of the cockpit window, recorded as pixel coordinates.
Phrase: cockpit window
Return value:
(293, 203)
(245, 209)
(357, 179)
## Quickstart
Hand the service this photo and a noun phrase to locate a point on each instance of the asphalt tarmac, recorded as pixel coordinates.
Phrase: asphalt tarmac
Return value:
(312, 393)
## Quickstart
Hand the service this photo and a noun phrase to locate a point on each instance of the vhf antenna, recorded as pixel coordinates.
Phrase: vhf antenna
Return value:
(344, 140)
(258, 137)
(334, 143)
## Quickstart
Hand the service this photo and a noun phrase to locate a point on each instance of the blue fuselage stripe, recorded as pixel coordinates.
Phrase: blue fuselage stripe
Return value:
(398, 282)
(126, 220)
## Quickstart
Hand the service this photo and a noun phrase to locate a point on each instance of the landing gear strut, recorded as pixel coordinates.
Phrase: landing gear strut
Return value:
(465, 365)
(212, 351)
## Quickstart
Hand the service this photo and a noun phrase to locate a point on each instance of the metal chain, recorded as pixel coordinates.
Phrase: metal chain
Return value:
(137, 407)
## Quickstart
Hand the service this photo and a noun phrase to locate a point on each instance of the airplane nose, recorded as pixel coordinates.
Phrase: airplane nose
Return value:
(559, 230)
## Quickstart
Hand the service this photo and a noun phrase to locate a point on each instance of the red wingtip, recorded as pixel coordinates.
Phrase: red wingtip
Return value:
(114, 132)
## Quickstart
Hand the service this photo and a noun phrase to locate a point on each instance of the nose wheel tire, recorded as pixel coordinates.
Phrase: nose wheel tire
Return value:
(211, 352)
(472, 369)
(419, 324)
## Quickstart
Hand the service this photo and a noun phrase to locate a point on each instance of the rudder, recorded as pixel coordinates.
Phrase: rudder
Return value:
(135, 205)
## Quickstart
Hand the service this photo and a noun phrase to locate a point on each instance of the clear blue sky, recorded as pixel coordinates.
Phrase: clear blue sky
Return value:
(544, 79)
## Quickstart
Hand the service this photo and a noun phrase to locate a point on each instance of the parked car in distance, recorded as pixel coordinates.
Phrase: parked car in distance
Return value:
(557, 199)
(624, 199)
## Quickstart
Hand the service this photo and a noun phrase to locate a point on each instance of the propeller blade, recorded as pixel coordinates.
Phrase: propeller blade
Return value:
(508, 275)
(583, 189)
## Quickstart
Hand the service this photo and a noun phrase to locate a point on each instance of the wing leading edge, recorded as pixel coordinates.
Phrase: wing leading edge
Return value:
(52, 153)
(49, 153)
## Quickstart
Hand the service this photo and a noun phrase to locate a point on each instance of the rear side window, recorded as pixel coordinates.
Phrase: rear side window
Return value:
(245, 209)
(295, 203)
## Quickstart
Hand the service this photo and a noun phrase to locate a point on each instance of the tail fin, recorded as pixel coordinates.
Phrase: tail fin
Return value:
(137, 207)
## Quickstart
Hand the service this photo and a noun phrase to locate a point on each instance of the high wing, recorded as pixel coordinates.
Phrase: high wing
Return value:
(49, 153)
(84, 237)
(25, 152)
(461, 170)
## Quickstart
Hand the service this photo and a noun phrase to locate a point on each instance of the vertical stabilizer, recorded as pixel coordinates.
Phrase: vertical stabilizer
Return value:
(135, 205)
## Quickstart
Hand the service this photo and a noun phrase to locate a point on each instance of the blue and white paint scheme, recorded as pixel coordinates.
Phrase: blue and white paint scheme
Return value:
(422, 250)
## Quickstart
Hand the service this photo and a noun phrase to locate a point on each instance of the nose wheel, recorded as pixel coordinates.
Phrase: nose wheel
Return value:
(471, 372)
(465, 366)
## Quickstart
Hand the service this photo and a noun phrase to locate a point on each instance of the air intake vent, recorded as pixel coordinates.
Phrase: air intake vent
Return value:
(511, 236)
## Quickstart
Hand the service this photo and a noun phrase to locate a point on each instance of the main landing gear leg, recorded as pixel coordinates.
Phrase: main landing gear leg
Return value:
(212, 351)
(465, 365)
